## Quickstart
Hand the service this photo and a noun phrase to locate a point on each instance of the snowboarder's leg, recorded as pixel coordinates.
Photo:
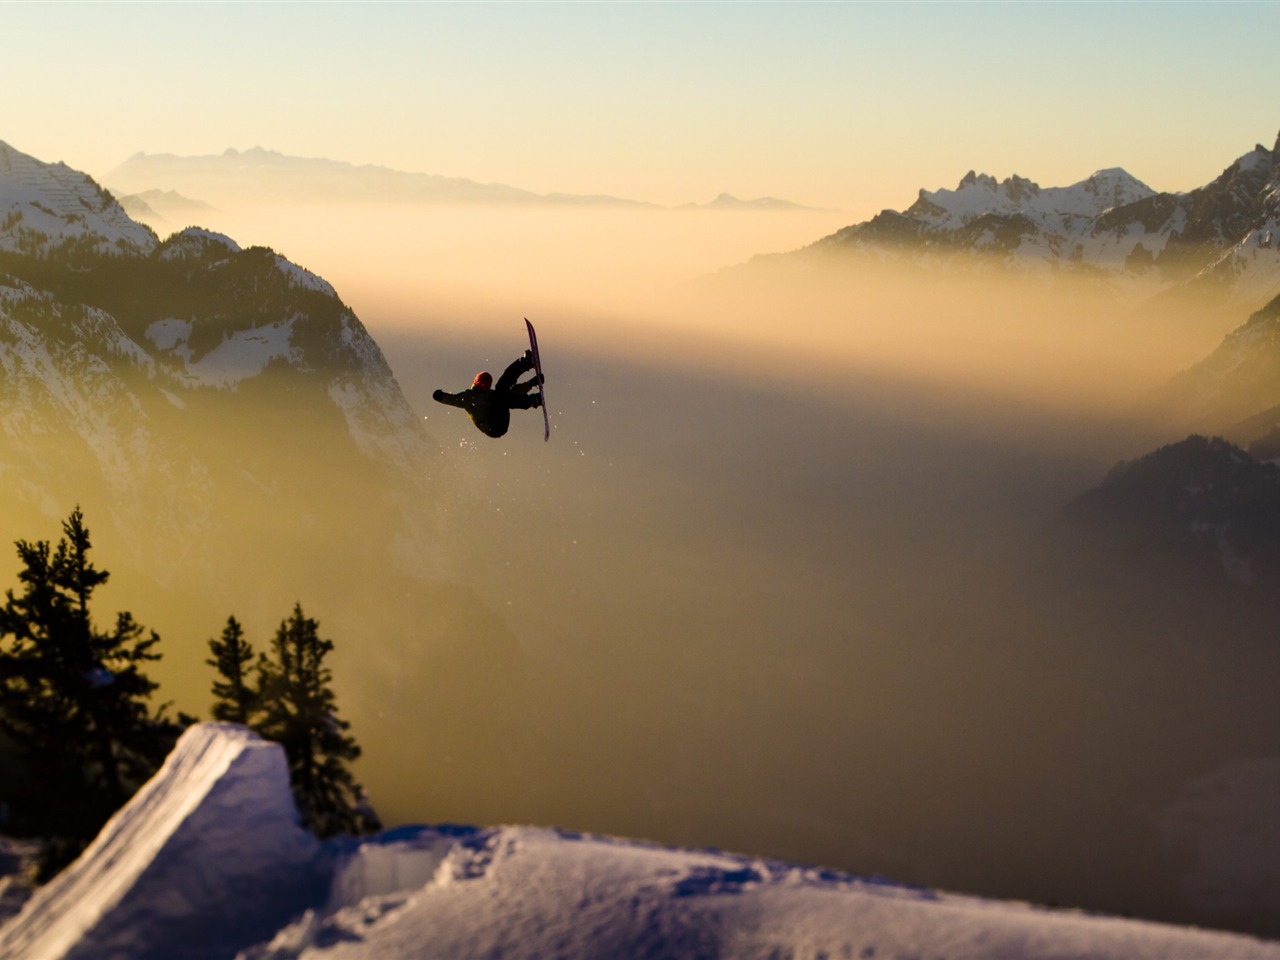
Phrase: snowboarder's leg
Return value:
(514, 370)
(527, 385)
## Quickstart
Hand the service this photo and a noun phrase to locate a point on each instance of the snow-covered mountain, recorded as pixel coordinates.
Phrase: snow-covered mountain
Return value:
(46, 207)
(1053, 209)
(1226, 233)
(181, 383)
(208, 861)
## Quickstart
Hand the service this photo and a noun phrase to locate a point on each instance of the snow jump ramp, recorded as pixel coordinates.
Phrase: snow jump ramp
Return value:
(221, 800)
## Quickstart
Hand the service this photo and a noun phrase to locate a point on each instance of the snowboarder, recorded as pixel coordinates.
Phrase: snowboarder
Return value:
(489, 405)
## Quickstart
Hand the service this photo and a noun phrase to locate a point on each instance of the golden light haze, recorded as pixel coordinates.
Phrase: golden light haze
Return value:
(685, 286)
(773, 585)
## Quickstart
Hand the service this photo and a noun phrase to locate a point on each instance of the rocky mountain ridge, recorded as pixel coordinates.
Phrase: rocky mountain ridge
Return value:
(1225, 234)
(170, 378)
(50, 207)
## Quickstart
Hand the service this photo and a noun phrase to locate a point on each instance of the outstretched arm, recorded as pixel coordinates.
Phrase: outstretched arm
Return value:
(450, 399)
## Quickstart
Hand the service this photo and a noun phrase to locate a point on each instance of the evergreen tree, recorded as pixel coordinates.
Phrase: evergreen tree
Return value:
(299, 711)
(73, 698)
(235, 699)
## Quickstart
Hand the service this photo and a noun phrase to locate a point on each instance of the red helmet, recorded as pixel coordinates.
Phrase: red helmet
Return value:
(483, 380)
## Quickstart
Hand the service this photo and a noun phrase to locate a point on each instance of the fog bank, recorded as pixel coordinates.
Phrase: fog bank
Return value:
(772, 586)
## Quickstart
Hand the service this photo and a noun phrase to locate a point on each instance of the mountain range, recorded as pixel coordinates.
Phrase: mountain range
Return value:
(1224, 236)
(160, 185)
(267, 175)
(1163, 577)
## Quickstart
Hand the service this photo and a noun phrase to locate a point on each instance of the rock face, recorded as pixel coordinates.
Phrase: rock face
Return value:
(190, 387)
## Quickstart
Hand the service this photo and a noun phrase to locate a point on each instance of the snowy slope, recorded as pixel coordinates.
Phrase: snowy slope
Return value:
(195, 243)
(1016, 221)
(63, 369)
(138, 374)
(1050, 207)
(208, 860)
(1225, 234)
(44, 205)
(523, 892)
(309, 334)
(1251, 262)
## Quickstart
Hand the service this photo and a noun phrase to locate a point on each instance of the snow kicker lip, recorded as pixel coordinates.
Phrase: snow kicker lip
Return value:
(202, 855)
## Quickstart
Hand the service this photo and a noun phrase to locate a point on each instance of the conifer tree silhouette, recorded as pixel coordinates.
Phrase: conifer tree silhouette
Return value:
(235, 698)
(73, 697)
(299, 711)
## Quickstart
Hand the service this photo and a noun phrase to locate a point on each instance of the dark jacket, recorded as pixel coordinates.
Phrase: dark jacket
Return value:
(490, 410)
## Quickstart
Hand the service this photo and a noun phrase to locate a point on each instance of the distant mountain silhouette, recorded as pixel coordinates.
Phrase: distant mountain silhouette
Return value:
(163, 206)
(727, 201)
(1203, 505)
(1236, 389)
(260, 174)
(266, 175)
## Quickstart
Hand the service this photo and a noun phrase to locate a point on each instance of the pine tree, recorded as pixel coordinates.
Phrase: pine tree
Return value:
(73, 698)
(235, 699)
(299, 711)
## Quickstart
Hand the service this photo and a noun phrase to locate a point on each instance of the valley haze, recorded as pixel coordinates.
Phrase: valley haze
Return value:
(789, 579)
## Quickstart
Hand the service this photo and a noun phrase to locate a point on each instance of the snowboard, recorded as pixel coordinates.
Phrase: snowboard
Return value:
(542, 389)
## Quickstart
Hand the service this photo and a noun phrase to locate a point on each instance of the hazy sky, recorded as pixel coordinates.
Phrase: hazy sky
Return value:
(845, 105)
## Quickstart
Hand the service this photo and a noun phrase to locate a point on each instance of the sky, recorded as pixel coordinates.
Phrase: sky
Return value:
(848, 106)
